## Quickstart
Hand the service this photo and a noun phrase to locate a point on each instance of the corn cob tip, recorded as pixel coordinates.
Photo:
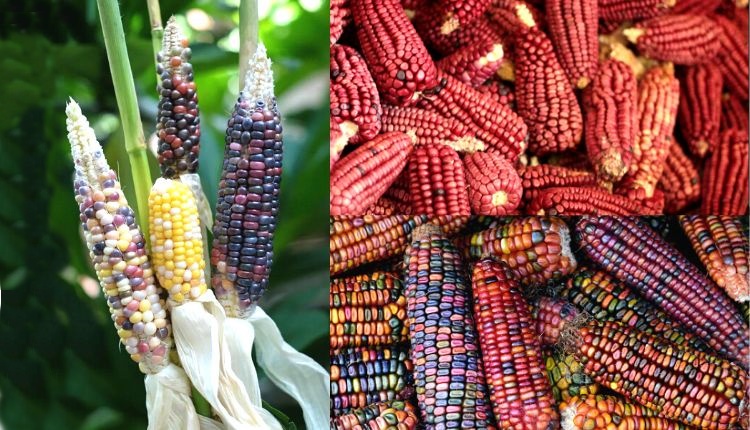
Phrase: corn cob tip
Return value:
(259, 78)
(88, 157)
(466, 144)
(173, 42)
(566, 417)
(524, 15)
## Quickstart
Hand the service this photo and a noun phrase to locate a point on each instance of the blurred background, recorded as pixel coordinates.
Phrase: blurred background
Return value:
(60, 363)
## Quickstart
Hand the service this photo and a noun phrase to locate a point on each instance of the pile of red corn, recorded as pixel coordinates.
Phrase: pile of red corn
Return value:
(539, 323)
(556, 107)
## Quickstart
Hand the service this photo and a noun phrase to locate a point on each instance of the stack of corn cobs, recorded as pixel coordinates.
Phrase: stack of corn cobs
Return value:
(555, 107)
(539, 322)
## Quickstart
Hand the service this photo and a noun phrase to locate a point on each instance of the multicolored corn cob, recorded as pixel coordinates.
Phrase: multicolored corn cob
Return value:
(448, 374)
(358, 240)
(354, 98)
(437, 182)
(677, 382)
(733, 56)
(178, 122)
(494, 186)
(400, 64)
(534, 249)
(535, 179)
(626, 10)
(367, 310)
(248, 197)
(733, 113)
(362, 376)
(392, 415)
(700, 107)
(550, 315)
(573, 26)
(512, 355)
(360, 178)
(567, 378)
(176, 240)
(117, 250)
(605, 298)
(722, 247)
(610, 107)
(429, 127)
(611, 413)
(726, 170)
(681, 39)
(340, 17)
(564, 201)
(680, 181)
(544, 96)
(474, 64)
(645, 262)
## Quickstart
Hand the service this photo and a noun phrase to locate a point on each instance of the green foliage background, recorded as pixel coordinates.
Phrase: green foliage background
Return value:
(60, 363)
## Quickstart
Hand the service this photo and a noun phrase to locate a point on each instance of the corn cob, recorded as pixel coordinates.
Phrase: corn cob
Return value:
(645, 262)
(535, 179)
(428, 25)
(176, 240)
(725, 170)
(455, 14)
(393, 415)
(658, 98)
(680, 181)
(700, 108)
(573, 27)
(534, 249)
(564, 201)
(474, 64)
(504, 15)
(367, 310)
(545, 98)
(733, 113)
(248, 197)
(177, 123)
(605, 298)
(357, 240)
(494, 185)
(550, 315)
(733, 56)
(448, 374)
(723, 250)
(677, 382)
(117, 250)
(361, 376)
(610, 106)
(501, 129)
(340, 17)
(400, 64)
(437, 182)
(360, 178)
(429, 127)
(697, 7)
(567, 378)
(354, 97)
(398, 193)
(511, 353)
(681, 39)
(626, 10)
(611, 413)
(500, 92)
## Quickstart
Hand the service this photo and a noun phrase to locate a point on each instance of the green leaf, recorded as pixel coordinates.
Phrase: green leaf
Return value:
(285, 421)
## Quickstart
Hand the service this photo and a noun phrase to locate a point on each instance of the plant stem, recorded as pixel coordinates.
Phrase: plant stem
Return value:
(248, 35)
(127, 104)
(157, 30)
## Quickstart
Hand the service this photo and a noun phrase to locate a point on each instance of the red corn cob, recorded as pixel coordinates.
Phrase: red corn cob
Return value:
(550, 316)
(383, 206)
(391, 415)
(680, 181)
(610, 412)
(733, 56)
(723, 249)
(698, 7)
(565, 201)
(725, 176)
(455, 14)
(428, 26)
(355, 101)
(610, 105)
(500, 92)
(658, 98)
(398, 193)
(682, 39)
(474, 64)
(636, 255)
(437, 182)
(504, 15)
(501, 129)
(494, 186)
(511, 352)
(429, 127)
(700, 107)
(340, 17)
(399, 62)
(573, 26)
(535, 179)
(545, 98)
(360, 178)
(534, 249)
(733, 113)
(625, 10)
(738, 15)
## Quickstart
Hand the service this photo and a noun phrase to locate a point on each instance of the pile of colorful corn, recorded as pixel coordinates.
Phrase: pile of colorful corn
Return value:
(486, 323)
(556, 107)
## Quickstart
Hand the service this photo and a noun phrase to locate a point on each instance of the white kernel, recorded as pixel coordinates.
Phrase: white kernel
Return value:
(168, 244)
(187, 276)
